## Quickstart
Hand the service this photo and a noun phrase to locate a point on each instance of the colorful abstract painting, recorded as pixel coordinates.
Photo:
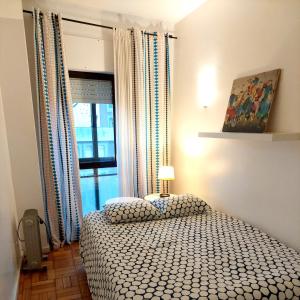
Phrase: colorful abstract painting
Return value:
(250, 102)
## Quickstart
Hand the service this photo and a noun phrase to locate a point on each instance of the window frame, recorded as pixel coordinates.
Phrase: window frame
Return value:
(91, 163)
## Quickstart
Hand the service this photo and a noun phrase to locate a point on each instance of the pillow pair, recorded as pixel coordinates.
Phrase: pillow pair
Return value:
(136, 210)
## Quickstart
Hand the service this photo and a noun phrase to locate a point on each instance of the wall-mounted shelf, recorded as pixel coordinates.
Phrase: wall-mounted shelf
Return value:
(268, 136)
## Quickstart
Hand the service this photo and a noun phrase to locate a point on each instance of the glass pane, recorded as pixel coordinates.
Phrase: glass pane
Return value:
(83, 128)
(88, 195)
(97, 186)
(105, 130)
(108, 181)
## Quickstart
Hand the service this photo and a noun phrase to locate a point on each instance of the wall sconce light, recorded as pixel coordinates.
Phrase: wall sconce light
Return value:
(207, 85)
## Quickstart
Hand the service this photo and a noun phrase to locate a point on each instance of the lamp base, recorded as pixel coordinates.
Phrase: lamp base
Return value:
(164, 195)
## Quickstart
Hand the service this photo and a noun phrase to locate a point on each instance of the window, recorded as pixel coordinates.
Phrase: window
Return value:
(94, 119)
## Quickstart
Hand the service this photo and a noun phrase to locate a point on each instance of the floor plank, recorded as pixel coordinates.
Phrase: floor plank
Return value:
(65, 278)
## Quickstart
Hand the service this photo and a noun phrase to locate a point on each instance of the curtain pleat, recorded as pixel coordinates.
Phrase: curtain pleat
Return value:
(124, 111)
(58, 150)
(143, 106)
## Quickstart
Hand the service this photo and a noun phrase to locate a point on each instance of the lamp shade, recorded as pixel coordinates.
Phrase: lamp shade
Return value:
(166, 173)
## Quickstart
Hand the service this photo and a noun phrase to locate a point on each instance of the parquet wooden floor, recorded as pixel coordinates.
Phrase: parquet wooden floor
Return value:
(65, 278)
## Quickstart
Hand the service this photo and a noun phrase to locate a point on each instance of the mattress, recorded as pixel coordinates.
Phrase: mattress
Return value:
(205, 256)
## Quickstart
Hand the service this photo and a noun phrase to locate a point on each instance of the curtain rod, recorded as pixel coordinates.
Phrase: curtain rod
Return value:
(93, 24)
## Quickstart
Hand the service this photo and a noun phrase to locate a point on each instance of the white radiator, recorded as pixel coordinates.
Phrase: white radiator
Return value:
(32, 239)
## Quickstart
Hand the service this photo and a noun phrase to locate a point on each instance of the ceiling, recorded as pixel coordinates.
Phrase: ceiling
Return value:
(171, 11)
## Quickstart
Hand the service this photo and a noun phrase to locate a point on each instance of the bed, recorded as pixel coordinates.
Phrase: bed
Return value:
(206, 256)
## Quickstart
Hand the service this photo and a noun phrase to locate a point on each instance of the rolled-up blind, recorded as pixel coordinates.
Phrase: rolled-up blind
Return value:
(91, 90)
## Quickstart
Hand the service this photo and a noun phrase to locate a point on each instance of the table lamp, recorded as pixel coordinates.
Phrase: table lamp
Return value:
(166, 173)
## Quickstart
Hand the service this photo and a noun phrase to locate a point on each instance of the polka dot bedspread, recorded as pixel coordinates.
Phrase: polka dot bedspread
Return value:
(205, 256)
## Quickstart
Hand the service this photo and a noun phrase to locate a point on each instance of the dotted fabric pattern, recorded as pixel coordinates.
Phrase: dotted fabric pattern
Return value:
(130, 211)
(180, 206)
(205, 256)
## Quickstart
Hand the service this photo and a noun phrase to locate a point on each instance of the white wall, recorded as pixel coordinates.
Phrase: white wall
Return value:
(256, 181)
(9, 248)
(18, 110)
(10, 251)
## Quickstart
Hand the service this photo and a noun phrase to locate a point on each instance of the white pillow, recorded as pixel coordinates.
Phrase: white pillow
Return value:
(180, 206)
(134, 210)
